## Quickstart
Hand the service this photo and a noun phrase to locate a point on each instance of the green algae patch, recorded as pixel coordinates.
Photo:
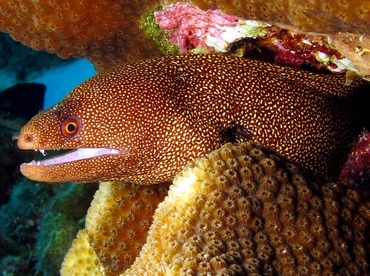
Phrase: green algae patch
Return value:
(150, 27)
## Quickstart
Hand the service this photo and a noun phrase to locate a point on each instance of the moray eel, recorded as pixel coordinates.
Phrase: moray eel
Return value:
(142, 123)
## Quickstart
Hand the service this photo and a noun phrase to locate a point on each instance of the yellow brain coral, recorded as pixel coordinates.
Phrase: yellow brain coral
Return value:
(118, 221)
(81, 258)
(243, 209)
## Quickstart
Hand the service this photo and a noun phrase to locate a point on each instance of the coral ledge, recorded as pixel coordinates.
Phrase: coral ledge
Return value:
(111, 33)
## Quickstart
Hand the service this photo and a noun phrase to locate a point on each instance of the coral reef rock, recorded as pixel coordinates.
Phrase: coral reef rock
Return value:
(81, 258)
(103, 31)
(117, 225)
(356, 170)
(243, 209)
(108, 34)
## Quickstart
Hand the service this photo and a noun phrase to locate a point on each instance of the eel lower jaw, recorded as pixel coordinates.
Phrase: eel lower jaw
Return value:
(45, 170)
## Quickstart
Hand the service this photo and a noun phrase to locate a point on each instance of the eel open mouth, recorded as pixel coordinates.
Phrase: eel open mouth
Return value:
(80, 165)
(73, 165)
(75, 155)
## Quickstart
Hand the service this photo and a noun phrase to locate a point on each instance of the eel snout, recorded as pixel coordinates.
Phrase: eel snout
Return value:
(25, 141)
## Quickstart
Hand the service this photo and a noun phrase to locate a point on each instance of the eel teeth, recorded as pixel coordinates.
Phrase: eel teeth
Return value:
(78, 154)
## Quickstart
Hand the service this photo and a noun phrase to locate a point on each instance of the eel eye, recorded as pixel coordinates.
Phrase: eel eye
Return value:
(70, 127)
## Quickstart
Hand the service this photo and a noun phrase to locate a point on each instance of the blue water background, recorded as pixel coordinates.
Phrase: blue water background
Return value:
(61, 80)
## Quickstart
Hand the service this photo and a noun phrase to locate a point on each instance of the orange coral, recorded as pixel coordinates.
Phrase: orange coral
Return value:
(243, 209)
(318, 16)
(105, 32)
(108, 33)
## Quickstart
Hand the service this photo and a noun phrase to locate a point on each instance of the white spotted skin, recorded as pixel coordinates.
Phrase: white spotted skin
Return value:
(165, 112)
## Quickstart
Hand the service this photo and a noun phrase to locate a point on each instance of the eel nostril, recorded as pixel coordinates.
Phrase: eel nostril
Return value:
(26, 141)
(28, 138)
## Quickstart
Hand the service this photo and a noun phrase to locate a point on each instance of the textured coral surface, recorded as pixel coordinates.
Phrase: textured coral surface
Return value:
(313, 15)
(243, 209)
(81, 259)
(193, 29)
(103, 31)
(109, 33)
(118, 221)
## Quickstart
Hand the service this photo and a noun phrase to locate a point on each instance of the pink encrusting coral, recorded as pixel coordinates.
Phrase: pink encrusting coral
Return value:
(192, 26)
(195, 30)
(357, 168)
(299, 50)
